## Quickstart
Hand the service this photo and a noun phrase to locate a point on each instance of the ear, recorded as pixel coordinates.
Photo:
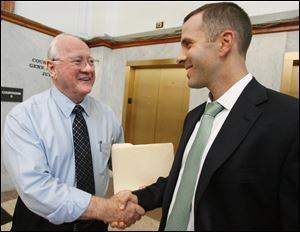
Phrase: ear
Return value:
(227, 41)
(51, 68)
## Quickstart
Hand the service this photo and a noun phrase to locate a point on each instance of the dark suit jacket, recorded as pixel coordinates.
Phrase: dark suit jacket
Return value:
(250, 178)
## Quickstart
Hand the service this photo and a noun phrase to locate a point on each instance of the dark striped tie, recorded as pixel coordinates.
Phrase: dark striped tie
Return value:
(83, 155)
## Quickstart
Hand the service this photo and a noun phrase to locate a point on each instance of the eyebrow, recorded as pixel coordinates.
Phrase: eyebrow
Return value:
(185, 41)
(81, 57)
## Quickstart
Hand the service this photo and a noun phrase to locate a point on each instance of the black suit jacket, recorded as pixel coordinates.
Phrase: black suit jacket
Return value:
(250, 178)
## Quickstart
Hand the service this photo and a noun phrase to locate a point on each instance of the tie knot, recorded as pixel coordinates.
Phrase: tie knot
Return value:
(78, 109)
(212, 109)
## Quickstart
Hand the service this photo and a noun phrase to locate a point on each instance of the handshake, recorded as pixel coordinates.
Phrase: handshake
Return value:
(120, 210)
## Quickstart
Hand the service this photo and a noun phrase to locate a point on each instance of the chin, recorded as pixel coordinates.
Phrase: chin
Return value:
(191, 83)
(195, 85)
(86, 90)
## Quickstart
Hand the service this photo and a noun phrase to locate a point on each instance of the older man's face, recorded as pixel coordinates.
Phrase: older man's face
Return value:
(73, 70)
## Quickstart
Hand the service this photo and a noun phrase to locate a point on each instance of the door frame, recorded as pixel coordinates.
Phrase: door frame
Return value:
(131, 66)
(290, 59)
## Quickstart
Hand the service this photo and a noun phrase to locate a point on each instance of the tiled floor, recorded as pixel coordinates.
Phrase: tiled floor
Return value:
(8, 202)
(10, 195)
(9, 207)
(148, 223)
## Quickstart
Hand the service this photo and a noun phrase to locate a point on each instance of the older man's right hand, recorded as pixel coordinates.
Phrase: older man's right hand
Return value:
(127, 200)
(128, 211)
(121, 208)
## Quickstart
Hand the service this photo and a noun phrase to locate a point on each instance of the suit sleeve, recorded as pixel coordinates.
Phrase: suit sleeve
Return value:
(289, 190)
(151, 197)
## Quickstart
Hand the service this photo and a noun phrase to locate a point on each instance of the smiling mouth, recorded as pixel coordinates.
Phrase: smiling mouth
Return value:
(85, 79)
(187, 68)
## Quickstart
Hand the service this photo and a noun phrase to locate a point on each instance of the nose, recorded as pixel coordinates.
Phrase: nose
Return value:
(181, 57)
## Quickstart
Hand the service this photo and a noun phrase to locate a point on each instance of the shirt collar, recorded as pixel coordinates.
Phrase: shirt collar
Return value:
(228, 99)
(66, 105)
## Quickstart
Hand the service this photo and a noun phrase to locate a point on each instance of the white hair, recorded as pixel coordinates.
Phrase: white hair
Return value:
(52, 50)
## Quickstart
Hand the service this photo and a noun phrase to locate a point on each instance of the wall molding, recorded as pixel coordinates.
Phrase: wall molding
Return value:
(24, 22)
(292, 25)
(138, 42)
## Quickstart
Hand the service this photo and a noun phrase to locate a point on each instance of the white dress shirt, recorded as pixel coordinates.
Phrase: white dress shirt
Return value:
(39, 153)
(227, 100)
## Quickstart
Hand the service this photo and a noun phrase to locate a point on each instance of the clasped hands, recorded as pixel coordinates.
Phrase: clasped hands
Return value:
(123, 210)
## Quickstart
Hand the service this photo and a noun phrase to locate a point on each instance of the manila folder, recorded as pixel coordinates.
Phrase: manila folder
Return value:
(135, 166)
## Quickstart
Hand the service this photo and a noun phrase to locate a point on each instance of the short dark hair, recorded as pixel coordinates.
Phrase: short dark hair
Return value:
(218, 17)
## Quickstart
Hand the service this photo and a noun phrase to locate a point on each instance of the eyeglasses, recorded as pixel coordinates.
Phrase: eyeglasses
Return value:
(79, 62)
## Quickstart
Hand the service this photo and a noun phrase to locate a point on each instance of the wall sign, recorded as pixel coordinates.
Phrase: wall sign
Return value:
(11, 94)
(39, 64)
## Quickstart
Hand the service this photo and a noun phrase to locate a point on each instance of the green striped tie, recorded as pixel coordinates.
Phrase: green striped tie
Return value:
(180, 215)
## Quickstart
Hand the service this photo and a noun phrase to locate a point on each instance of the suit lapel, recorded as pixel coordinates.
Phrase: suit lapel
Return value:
(237, 125)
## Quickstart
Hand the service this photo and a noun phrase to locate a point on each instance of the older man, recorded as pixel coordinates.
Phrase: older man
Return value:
(57, 146)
